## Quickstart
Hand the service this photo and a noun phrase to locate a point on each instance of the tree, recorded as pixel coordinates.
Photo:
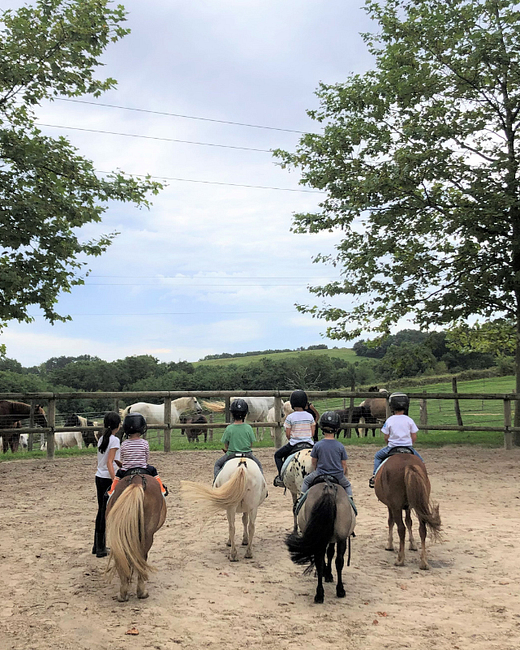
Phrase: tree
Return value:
(419, 161)
(47, 190)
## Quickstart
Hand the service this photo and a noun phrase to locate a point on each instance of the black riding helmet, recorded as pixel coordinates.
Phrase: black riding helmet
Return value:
(239, 408)
(399, 402)
(134, 423)
(330, 420)
(299, 399)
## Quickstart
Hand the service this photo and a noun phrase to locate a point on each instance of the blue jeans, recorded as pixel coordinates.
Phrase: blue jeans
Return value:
(382, 454)
(342, 480)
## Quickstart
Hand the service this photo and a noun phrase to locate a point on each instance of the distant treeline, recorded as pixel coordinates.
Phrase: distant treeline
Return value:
(255, 353)
(407, 354)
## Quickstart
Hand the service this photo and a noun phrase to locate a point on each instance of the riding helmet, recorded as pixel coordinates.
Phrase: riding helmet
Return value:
(239, 408)
(299, 399)
(134, 423)
(330, 420)
(399, 402)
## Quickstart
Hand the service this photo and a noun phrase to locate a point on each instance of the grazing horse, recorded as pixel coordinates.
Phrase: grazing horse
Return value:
(326, 518)
(402, 484)
(294, 470)
(193, 434)
(154, 413)
(376, 405)
(10, 415)
(135, 511)
(74, 420)
(239, 487)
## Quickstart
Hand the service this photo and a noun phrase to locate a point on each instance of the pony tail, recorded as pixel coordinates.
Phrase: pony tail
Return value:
(419, 500)
(317, 534)
(227, 495)
(105, 440)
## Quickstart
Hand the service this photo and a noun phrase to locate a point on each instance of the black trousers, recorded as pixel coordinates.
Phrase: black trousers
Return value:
(102, 485)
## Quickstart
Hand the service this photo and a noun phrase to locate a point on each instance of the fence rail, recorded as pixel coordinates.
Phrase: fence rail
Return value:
(51, 398)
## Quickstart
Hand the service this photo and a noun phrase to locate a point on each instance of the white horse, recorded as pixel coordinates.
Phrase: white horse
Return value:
(294, 470)
(286, 409)
(154, 413)
(239, 487)
(258, 409)
(66, 440)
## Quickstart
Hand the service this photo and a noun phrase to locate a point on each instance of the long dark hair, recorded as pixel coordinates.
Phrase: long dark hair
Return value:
(111, 422)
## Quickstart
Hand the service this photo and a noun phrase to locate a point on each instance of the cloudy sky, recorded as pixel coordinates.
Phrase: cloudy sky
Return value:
(212, 266)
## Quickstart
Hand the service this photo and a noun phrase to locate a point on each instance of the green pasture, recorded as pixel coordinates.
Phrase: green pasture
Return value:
(476, 412)
(346, 354)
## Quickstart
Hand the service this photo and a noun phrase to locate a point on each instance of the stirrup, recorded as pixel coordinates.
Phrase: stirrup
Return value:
(371, 481)
(278, 482)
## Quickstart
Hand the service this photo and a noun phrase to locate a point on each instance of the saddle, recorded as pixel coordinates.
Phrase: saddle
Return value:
(134, 471)
(400, 450)
(298, 447)
(325, 478)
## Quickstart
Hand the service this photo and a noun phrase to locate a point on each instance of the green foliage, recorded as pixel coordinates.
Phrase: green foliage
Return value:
(497, 337)
(47, 190)
(419, 162)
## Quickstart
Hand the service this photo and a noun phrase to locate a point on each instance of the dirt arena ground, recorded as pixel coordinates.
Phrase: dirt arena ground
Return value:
(54, 595)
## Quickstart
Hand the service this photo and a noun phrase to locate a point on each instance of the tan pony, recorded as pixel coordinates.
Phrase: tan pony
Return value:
(135, 512)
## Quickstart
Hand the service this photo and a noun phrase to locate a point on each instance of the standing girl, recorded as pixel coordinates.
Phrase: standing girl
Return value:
(107, 457)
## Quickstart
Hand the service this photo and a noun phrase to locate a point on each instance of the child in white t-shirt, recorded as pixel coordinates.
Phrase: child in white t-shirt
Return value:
(399, 431)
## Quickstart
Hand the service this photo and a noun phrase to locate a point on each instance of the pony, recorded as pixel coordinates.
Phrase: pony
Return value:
(294, 470)
(154, 413)
(327, 520)
(286, 409)
(193, 434)
(135, 512)
(358, 413)
(239, 487)
(258, 407)
(402, 483)
(376, 405)
(74, 420)
(11, 413)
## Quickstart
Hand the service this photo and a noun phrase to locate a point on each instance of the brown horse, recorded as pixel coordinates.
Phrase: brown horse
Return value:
(10, 415)
(135, 511)
(402, 484)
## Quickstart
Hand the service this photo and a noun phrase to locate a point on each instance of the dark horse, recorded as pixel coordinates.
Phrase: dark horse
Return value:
(402, 484)
(358, 413)
(191, 433)
(10, 415)
(135, 511)
(326, 519)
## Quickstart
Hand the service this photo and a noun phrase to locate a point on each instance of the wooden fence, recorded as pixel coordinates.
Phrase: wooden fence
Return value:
(168, 396)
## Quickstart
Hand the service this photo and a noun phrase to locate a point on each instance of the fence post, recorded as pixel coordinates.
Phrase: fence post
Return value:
(227, 412)
(210, 431)
(167, 422)
(30, 438)
(348, 431)
(51, 422)
(423, 410)
(457, 405)
(508, 434)
(278, 416)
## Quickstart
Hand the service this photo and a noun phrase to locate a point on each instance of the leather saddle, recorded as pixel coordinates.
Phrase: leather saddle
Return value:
(400, 450)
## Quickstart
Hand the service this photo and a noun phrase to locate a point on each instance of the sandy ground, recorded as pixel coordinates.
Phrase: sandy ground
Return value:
(54, 594)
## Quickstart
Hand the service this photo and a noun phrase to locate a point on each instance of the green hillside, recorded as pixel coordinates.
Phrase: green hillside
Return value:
(346, 354)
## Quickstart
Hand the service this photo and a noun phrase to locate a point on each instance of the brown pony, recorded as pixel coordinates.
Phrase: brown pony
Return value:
(402, 484)
(10, 415)
(135, 511)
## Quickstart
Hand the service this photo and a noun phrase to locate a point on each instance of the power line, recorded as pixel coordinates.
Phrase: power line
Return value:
(152, 137)
(187, 117)
(191, 180)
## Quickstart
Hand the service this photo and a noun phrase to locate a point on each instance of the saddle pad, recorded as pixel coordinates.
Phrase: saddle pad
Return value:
(287, 461)
(377, 470)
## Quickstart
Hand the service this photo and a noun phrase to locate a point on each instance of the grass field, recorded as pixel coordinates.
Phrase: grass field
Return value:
(347, 354)
(476, 412)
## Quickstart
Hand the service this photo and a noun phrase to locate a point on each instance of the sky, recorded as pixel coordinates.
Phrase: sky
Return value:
(212, 266)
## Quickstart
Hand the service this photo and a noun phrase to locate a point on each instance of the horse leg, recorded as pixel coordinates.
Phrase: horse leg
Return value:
(123, 589)
(245, 539)
(320, 566)
(408, 518)
(294, 500)
(340, 562)
(390, 544)
(251, 533)
(402, 534)
(327, 574)
(231, 542)
(422, 532)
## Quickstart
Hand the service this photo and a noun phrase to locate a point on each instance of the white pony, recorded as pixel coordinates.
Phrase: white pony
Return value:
(258, 409)
(154, 413)
(294, 470)
(286, 409)
(239, 487)
(66, 440)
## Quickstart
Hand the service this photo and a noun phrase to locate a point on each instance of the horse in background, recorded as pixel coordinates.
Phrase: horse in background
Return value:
(135, 512)
(358, 413)
(11, 414)
(239, 487)
(376, 405)
(402, 483)
(258, 409)
(327, 521)
(154, 413)
(193, 434)
(89, 437)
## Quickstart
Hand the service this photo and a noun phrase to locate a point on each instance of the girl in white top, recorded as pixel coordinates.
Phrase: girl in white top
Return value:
(108, 456)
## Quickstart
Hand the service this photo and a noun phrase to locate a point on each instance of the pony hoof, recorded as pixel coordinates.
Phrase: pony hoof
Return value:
(412, 548)
(228, 543)
(389, 548)
(245, 542)
(328, 579)
(143, 594)
(248, 556)
(122, 599)
(318, 598)
(425, 567)
(399, 563)
(341, 593)
(233, 558)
